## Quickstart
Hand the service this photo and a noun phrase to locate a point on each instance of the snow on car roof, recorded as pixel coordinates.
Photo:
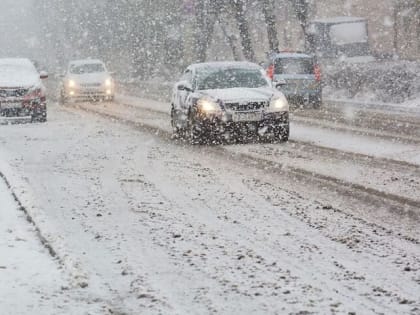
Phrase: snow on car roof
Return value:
(290, 55)
(16, 62)
(226, 64)
(85, 61)
(339, 19)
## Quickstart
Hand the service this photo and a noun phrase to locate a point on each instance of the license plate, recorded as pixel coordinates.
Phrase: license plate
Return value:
(239, 117)
(10, 105)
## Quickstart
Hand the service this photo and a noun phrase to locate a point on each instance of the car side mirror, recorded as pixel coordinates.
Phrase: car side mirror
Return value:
(279, 83)
(185, 87)
(43, 75)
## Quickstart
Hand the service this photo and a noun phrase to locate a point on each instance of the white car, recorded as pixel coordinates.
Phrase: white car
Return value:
(86, 80)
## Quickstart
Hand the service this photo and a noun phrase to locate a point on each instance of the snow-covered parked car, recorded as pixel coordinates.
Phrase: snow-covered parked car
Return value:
(22, 93)
(86, 80)
(227, 100)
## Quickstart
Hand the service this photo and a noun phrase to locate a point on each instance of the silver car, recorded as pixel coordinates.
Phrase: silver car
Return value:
(85, 80)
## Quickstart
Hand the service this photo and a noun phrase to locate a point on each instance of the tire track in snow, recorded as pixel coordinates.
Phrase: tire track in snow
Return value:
(156, 122)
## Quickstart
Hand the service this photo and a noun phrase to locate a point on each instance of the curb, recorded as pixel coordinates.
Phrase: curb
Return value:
(57, 251)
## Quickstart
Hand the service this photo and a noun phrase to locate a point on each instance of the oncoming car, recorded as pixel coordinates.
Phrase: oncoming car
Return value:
(228, 100)
(22, 93)
(86, 80)
(298, 75)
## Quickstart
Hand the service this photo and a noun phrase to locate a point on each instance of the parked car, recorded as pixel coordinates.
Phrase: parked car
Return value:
(298, 76)
(22, 93)
(87, 80)
(228, 100)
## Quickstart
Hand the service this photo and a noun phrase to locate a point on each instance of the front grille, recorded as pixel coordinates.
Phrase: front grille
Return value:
(246, 106)
(87, 85)
(13, 92)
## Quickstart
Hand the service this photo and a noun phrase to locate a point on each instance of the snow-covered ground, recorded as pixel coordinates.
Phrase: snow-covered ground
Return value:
(159, 227)
(340, 140)
(32, 282)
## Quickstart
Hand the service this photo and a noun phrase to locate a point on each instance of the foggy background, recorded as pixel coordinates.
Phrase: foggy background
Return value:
(19, 29)
(156, 39)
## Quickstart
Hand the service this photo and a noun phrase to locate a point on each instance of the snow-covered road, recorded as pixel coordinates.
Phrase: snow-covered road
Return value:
(338, 139)
(31, 282)
(160, 227)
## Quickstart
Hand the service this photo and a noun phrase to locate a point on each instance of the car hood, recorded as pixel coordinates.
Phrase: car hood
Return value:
(241, 94)
(19, 79)
(90, 77)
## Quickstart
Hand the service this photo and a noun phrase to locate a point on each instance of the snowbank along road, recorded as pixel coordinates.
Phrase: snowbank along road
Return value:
(157, 226)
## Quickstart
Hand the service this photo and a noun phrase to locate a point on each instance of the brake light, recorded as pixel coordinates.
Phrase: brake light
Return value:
(317, 72)
(270, 72)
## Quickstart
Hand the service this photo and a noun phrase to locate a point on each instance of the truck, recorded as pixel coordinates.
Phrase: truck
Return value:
(338, 36)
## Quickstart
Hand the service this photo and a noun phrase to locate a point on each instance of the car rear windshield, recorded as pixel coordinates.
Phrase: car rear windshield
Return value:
(293, 66)
(87, 68)
(230, 78)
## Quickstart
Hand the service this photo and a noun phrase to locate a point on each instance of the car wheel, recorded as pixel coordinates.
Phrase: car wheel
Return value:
(62, 98)
(317, 102)
(176, 131)
(195, 132)
(284, 135)
(196, 135)
(281, 133)
(39, 118)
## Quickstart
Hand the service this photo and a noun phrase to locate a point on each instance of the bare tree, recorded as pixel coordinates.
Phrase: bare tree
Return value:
(406, 15)
(206, 15)
(302, 11)
(239, 11)
(270, 22)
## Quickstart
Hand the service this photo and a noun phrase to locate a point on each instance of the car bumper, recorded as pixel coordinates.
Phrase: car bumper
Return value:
(306, 96)
(224, 124)
(99, 93)
(34, 108)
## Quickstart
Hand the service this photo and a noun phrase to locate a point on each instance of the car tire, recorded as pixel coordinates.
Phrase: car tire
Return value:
(196, 135)
(62, 98)
(317, 102)
(176, 131)
(195, 132)
(42, 118)
(282, 133)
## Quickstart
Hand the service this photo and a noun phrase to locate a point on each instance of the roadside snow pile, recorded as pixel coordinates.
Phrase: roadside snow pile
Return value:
(384, 81)
(30, 278)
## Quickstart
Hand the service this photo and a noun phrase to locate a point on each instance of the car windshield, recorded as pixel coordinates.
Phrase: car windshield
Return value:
(87, 68)
(293, 66)
(231, 78)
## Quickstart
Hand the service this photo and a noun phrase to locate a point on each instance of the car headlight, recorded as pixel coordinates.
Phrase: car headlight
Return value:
(279, 104)
(108, 82)
(208, 105)
(72, 83)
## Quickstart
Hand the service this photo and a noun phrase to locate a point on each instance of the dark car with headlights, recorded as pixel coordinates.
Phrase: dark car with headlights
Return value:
(228, 100)
(22, 93)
